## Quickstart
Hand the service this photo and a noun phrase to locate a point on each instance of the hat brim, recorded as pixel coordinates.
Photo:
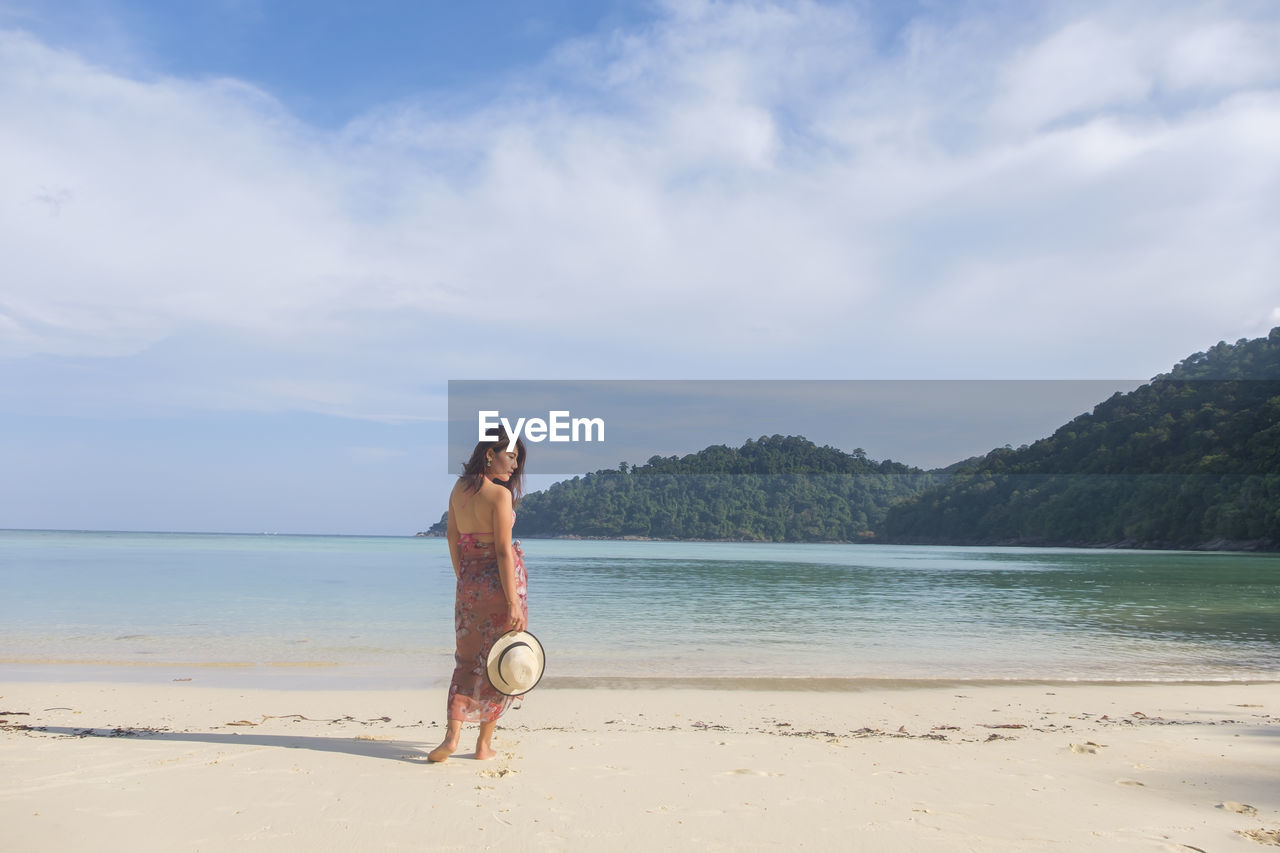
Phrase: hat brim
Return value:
(500, 647)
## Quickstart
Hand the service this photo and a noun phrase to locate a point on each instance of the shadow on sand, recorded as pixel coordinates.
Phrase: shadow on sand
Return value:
(410, 752)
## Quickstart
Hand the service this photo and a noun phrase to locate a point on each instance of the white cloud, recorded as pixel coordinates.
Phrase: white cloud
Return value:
(738, 189)
(1222, 55)
(1081, 68)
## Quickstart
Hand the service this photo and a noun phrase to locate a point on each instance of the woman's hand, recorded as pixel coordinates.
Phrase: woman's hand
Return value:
(516, 620)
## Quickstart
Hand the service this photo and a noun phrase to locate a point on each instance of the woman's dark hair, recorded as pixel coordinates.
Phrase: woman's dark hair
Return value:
(473, 469)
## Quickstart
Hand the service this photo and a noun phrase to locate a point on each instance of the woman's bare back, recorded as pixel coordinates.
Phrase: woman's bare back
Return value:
(473, 512)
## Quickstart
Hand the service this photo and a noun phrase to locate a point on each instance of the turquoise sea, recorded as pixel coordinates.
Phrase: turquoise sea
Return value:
(331, 611)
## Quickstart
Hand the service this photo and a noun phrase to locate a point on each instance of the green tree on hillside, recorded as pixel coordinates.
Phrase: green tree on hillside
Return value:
(1190, 458)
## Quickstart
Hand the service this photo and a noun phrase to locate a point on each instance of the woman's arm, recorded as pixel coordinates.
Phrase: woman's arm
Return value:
(451, 533)
(502, 521)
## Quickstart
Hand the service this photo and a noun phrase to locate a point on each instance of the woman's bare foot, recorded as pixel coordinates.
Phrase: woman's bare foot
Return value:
(443, 751)
(484, 743)
(449, 745)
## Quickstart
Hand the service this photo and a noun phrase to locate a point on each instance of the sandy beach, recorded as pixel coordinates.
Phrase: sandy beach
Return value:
(178, 766)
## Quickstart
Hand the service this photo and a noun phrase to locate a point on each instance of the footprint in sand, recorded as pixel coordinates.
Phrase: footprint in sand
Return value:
(1133, 783)
(1238, 808)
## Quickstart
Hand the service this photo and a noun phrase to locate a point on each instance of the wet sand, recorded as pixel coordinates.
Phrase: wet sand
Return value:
(1043, 766)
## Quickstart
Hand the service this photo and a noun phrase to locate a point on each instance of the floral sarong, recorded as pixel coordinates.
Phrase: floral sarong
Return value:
(480, 618)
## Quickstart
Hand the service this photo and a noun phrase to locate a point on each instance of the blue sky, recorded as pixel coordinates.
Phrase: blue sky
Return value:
(247, 243)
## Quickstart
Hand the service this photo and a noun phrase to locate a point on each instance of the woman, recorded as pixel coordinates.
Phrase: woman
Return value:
(491, 592)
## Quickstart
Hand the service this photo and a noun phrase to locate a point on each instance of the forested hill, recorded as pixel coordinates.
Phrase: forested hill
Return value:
(1191, 459)
(778, 488)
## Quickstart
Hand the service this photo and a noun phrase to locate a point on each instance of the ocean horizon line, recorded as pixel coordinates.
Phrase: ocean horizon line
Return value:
(1218, 546)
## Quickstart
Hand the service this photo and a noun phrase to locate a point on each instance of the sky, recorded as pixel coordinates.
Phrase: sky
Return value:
(247, 243)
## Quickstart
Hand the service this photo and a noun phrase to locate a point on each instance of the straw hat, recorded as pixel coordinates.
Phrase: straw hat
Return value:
(516, 663)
